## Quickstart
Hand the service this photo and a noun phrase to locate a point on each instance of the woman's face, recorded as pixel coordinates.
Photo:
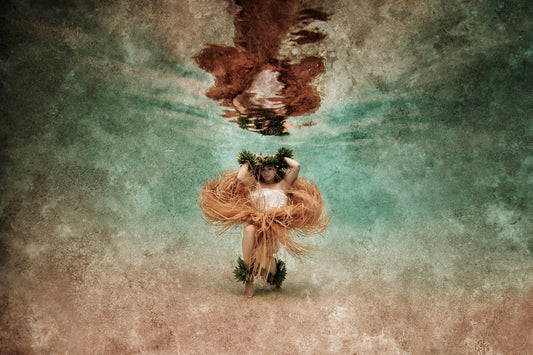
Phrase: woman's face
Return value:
(268, 173)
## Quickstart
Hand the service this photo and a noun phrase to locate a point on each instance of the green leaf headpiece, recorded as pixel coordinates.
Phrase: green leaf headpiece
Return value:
(256, 163)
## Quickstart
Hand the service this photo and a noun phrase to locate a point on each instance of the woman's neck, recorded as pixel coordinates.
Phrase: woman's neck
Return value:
(267, 185)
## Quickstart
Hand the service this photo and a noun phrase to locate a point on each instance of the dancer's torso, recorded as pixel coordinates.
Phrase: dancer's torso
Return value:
(266, 199)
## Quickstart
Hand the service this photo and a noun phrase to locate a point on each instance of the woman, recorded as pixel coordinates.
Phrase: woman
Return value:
(275, 207)
(271, 192)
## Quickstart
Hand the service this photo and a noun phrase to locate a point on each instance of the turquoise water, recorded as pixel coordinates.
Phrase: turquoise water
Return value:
(422, 147)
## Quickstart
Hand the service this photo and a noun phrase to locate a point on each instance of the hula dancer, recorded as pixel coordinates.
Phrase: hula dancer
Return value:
(275, 207)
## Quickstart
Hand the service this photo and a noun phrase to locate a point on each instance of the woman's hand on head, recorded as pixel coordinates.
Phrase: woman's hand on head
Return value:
(243, 176)
(292, 175)
(292, 163)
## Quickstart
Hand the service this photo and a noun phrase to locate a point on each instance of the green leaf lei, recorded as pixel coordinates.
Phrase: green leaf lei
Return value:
(244, 273)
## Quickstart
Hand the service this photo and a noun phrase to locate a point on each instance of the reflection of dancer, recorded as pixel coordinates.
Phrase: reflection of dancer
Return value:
(256, 90)
(264, 89)
(274, 207)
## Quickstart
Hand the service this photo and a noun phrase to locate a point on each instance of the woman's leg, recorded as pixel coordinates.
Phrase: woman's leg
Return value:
(272, 267)
(248, 243)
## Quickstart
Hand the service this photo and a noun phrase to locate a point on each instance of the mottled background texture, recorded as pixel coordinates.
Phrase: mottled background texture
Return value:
(422, 147)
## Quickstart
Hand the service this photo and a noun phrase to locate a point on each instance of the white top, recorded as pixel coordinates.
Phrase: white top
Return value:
(266, 199)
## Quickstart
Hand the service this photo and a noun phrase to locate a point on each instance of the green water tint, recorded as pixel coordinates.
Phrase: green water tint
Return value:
(424, 160)
(460, 133)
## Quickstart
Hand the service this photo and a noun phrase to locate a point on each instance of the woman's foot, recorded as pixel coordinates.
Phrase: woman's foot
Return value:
(249, 289)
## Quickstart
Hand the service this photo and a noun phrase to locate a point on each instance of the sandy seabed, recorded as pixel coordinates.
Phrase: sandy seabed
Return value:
(161, 303)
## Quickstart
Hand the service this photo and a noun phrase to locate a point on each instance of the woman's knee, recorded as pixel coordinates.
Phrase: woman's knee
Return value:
(248, 236)
(249, 229)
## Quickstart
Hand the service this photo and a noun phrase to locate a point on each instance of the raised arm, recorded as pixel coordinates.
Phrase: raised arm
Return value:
(292, 175)
(243, 176)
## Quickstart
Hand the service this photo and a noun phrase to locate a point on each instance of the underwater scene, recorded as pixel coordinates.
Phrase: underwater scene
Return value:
(413, 118)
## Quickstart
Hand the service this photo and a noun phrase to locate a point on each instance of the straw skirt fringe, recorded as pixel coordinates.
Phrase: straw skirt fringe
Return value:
(226, 203)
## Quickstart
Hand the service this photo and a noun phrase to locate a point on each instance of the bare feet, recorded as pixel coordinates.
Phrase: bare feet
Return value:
(249, 289)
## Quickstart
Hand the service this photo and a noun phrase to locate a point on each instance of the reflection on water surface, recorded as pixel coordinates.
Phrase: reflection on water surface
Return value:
(262, 89)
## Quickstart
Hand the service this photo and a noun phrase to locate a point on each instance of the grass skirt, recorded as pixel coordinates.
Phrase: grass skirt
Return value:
(226, 203)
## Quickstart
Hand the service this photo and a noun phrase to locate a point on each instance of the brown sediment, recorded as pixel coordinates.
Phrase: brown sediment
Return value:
(505, 325)
(260, 29)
